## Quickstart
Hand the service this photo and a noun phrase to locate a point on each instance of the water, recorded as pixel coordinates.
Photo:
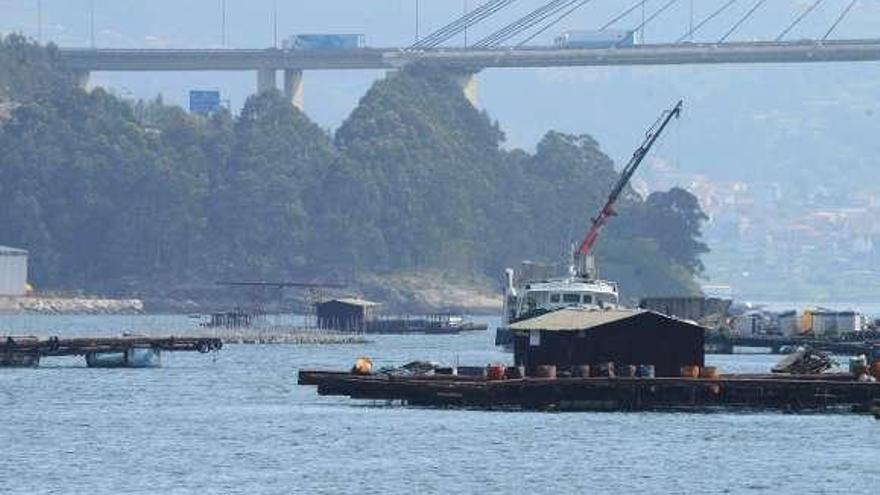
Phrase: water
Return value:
(240, 424)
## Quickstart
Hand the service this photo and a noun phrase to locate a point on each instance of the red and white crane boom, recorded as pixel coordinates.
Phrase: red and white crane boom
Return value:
(607, 211)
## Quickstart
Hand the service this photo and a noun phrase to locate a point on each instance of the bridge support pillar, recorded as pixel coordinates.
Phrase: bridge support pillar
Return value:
(293, 87)
(266, 80)
(81, 78)
(467, 81)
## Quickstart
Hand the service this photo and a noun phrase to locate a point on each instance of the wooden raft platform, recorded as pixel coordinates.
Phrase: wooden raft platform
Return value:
(793, 393)
(105, 352)
(55, 346)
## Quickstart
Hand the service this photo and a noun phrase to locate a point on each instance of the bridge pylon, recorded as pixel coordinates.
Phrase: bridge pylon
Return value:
(293, 87)
(467, 81)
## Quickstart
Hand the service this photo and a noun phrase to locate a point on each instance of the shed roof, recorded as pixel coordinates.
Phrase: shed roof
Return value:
(574, 319)
(12, 250)
(353, 301)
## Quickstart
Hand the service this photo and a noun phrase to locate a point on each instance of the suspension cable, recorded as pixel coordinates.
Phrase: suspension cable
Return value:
(522, 23)
(455, 27)
(742, 20)
(798, 19)
(567, 13)
(843, 14)
(486, 10)
(655, 14)
(623, 14)
(702, 23)
(459, 23)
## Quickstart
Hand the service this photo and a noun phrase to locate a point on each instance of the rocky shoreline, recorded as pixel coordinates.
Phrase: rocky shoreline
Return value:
(70, 305)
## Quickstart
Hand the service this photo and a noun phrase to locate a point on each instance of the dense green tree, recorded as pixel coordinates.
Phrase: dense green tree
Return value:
(131, 195)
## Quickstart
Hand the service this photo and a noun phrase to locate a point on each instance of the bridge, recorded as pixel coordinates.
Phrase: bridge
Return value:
(268, 62)
(510, 45)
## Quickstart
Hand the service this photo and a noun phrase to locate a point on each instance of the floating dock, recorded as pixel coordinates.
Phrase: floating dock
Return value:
(786, 393)
(725, 344)
(101, 352)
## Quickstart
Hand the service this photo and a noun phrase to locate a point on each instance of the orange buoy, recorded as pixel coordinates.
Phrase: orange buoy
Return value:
(875, 370)
(710, 372)
(690, 371)
(495, 372)
(363, 366)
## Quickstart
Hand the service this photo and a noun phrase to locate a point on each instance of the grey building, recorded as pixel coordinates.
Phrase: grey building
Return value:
(13, 271)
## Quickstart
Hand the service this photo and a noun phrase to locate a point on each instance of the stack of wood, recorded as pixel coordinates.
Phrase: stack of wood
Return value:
(804, 362)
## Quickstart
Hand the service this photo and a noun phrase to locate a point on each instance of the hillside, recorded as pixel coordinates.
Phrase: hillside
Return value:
(118, 196)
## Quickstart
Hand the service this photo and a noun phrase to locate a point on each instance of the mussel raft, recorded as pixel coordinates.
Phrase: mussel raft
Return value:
(795, 393)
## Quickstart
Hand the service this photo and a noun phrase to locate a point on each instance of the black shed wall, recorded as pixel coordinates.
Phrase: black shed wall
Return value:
(337, 315)
(647, 338)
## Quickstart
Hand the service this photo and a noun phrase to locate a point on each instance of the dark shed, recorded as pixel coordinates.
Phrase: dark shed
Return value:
(347, 314)
(576, 336)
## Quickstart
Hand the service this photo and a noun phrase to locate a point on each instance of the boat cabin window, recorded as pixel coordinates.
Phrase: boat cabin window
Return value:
(554, 298)
(531, 302)
(588, 299)
(571, 298)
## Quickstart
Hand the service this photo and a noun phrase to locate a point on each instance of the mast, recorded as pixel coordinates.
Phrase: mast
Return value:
(582, 257)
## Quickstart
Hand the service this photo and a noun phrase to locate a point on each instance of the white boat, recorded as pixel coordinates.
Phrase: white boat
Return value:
(533, 290)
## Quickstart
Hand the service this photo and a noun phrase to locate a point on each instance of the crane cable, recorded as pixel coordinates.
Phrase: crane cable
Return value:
(455, 27)
(622, 15)
(798, 19)
(702, 23)
(523, 23)
(554, 22)
(843, 14)
(742, 20)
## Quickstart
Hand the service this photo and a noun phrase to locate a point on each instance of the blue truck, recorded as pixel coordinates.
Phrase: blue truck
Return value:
(595, 39)
(329, 42)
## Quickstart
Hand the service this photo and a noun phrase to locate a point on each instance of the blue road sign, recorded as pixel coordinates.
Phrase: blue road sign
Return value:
(204, 102)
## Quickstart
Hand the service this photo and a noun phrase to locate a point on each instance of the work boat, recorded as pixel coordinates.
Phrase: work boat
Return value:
(533, 290)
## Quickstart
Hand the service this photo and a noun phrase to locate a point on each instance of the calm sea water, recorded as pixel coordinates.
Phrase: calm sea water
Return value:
(238, 423)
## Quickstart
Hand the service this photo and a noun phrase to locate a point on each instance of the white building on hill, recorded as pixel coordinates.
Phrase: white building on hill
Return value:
(13, 271)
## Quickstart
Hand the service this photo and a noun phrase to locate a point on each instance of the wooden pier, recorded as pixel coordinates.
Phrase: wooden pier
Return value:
(789, 393)
(724, 344)
(27, 351)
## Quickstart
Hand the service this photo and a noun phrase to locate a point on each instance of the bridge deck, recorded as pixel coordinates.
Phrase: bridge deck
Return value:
(389, 58)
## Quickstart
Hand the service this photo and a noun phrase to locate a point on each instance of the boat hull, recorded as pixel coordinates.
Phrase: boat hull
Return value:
(130, 358)
(19, 360)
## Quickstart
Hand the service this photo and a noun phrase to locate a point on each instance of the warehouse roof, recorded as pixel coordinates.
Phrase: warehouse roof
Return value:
(575, 319)
(12, 251)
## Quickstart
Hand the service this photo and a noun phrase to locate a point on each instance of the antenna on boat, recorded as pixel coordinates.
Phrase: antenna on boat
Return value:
(584, 265)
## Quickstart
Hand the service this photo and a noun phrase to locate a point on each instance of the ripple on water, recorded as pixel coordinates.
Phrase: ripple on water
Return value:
(241, 425)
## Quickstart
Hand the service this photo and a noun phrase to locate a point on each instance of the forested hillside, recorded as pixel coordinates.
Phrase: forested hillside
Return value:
(109, 194)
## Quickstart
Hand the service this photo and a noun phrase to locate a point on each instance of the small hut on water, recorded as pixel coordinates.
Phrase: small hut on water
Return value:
(345, 314)
(579, 336)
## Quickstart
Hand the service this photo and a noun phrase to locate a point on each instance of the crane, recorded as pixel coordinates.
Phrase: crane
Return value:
(582, 255)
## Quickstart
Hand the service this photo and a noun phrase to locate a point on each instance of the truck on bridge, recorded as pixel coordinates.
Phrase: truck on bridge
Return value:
(595, 39)
(324, 42)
